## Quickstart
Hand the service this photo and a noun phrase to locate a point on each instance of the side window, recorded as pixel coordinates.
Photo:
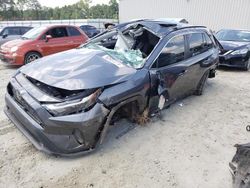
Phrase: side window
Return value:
(6, 31)
(85, 29)
(11, 31)
(208, 43)
(2, 32)
(173, 52)
(57, 32)
(195, 41)
(73, 31)
(24, 30)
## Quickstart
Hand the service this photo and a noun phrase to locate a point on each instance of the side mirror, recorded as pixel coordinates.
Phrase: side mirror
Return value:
(5, 36)
(47, 38)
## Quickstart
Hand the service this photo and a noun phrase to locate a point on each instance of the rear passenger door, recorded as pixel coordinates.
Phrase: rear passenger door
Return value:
(75, 37)
(200, 57)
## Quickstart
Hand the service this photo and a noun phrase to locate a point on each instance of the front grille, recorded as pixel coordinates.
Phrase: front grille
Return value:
(23, 104)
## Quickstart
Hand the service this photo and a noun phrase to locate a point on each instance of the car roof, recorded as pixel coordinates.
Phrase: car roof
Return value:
(87, 26)
(20, 26)
(235, 30)
(56, 25)
(162, 27)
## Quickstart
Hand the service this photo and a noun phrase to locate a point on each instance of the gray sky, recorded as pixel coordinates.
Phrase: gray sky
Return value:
(60, 3)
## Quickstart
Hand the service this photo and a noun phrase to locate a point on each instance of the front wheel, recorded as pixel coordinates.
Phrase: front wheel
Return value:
(247, 66)
(31, 56)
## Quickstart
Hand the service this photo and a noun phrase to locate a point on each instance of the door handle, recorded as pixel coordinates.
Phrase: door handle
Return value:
(206, 62)
(182, 72)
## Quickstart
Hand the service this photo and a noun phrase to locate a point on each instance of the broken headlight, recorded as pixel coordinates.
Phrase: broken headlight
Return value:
(73, 106)
(240, 52)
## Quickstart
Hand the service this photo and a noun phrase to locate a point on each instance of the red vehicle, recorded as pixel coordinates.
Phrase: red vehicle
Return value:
(41, 41)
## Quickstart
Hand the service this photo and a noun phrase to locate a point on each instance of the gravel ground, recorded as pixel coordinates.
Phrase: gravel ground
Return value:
(190, 146)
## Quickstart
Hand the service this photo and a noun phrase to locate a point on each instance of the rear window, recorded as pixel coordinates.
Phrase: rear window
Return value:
(199, 43)
(208, 43)
(24, 30)
(73, 31)
(195, 41)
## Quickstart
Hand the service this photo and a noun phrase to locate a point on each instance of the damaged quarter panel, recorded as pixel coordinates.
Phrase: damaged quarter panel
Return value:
(138, 86)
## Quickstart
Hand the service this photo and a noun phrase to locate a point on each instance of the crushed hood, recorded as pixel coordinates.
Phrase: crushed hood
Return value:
(78, 69)
(233, 45)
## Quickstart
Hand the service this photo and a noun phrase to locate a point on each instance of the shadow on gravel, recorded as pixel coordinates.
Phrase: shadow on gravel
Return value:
(230, 69)
(3, 66)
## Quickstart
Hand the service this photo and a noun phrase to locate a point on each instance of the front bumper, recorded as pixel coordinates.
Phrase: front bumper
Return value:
(233, 61)
(11, 58)
(65, 136)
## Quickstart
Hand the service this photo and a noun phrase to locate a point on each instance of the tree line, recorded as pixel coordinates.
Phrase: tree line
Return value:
(32, 10)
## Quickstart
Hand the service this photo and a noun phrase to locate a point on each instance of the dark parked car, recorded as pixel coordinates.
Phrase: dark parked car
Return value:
(236, 48)
(64, 103)
(11, 33)
(90, 30)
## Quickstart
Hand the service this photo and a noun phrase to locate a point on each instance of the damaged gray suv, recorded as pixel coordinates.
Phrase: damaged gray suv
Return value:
(65, 103)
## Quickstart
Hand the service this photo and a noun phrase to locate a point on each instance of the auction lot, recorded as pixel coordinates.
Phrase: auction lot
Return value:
(190, 146)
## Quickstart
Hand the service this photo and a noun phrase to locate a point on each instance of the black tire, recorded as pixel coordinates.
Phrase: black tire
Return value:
(247, 66)
(31, 56)
(201, 85)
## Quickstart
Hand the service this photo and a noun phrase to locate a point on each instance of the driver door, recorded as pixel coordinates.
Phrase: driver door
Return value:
(168, 73)
(58, 43)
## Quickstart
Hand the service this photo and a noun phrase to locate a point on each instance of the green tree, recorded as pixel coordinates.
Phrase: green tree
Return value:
(114, 8)
(35, 7)
(21, 6)
(32, 9)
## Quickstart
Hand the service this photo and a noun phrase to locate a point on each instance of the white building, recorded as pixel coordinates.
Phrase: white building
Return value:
(215, 14)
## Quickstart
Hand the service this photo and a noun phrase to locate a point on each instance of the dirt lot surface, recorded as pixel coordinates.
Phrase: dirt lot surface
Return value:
(190, 147)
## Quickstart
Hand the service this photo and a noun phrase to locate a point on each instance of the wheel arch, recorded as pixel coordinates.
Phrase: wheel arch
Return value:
(133, 100)
(30, 51)
(35, 51)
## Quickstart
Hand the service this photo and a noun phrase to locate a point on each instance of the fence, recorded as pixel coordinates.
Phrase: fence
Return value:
(98, 23)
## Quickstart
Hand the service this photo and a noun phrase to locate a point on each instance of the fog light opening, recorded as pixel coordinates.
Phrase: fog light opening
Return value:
(78, 135)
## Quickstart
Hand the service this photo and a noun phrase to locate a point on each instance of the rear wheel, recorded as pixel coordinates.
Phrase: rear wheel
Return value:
(201, 85)
(31, 56)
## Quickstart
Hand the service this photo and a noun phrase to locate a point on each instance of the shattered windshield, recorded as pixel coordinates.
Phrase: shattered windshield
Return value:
(132, 58)
(130, 47)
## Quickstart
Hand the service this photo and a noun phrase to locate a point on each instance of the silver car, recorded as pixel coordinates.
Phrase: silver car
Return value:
(12, 32)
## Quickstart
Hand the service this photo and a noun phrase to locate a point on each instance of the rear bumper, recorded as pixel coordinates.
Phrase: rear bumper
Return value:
(58, 137)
